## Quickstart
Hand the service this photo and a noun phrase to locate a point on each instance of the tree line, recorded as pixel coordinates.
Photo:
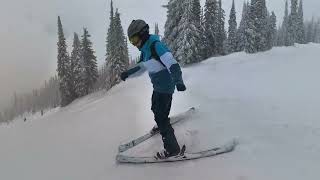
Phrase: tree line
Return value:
(193, 33)
(46, 97)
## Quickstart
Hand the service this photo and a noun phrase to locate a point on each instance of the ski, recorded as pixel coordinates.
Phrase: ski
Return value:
(155, 130)
(228, 147)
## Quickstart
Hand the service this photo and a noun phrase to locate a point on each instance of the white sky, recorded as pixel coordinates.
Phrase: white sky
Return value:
(28, 32)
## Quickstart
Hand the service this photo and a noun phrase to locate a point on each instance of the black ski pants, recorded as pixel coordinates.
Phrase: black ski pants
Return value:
(161, 105)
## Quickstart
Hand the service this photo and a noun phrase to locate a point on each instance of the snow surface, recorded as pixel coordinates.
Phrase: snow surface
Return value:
(268, 101)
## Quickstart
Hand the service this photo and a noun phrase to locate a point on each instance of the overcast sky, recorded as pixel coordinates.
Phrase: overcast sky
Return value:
(28, 32)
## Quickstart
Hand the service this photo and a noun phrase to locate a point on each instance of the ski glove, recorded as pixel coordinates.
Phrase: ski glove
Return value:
(124, 75)
(181, 87)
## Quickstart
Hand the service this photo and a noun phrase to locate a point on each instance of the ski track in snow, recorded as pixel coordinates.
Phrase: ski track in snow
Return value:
(268, 101)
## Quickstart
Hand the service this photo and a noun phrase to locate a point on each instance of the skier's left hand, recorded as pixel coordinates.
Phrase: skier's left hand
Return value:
(181, 87)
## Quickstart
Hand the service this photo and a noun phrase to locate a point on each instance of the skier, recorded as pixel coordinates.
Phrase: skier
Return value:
(165, 74)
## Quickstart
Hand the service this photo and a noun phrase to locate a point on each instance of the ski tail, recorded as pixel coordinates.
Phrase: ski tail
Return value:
(173, 120)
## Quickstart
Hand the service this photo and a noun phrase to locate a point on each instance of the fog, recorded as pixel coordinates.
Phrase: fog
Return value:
(28, 33)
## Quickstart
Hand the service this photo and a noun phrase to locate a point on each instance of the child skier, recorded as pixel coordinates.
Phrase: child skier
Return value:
(165, 74)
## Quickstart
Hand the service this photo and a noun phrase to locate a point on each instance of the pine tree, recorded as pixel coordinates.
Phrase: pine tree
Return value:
(89, 61)
(257, 30)
(109, 41)
(210, 26)
(202, 45)
(63, 67)
(316, 32)
(309, 30)
(174, 15)
(190, 33)
(196, 13)
(241, 34)
(272, 31)
(300, 25)
(261, 24)
(285, 27)
(77, 68)
(279, 37)
(118, 59)
(293, 22)
(221, 32)
(232, 30)
(251, 31)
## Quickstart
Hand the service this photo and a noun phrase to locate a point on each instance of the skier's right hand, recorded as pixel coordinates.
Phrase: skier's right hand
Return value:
(124, 75)
(181, 87)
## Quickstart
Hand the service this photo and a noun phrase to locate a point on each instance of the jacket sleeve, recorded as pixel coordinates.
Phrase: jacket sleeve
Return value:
(171, 64)
(139, 67)
(134, 70)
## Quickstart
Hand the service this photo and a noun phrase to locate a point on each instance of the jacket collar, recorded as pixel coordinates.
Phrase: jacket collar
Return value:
(147, 44)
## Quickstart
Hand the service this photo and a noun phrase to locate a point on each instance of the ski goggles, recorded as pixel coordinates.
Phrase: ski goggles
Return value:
(134, 40)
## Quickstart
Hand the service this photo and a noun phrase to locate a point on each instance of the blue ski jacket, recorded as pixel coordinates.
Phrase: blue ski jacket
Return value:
(164, 73)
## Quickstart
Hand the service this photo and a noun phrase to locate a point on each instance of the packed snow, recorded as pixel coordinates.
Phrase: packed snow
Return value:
(268, 101)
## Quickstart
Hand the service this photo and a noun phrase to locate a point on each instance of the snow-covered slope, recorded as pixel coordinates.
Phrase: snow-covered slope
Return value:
(268, 101)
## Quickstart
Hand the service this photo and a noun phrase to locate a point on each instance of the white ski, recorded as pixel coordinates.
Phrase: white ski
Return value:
(154, 130)
(228, 147)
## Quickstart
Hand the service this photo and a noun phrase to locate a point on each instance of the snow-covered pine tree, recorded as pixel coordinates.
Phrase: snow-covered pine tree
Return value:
(63, 67)
(102, 79)
(293, 22)
(109, 43)
(189, 37)
(257, 30)
(174, 14)
(316, 32)
(285, 27)
(77, 68)
(309, 30)
(89, 62)
(122, 45)
(282, 29)
(210, 26)
(221, 35)
(312, 30)
(118, 61)
(279, 36)
(261, 24)
(241, 36)
(196, 13)
(300, 25)
(232, 30)
(53, 92)
(272, 31)
(202, 44)
(251, 31)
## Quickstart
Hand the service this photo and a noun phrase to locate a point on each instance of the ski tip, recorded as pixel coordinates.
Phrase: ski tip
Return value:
(235, 142)
(122, 148)
(120, 158)
(231, 145)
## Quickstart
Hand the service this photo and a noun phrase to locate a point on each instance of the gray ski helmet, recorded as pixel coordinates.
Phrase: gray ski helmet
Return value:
(138, 26)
